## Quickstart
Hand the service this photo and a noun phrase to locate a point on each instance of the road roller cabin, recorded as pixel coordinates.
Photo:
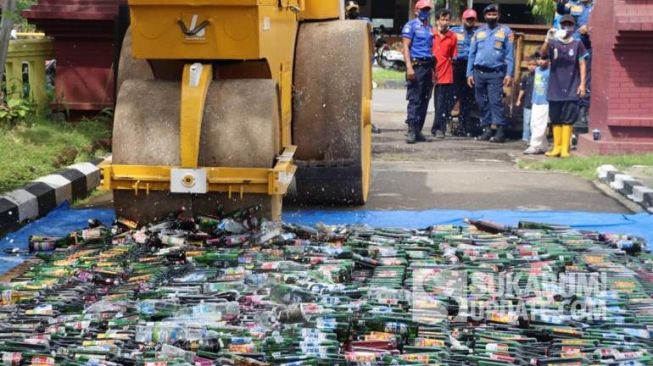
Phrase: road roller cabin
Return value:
(228, 102)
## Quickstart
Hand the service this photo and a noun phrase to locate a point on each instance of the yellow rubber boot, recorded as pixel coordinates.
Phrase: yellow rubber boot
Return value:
(566, 141)
(557, 142)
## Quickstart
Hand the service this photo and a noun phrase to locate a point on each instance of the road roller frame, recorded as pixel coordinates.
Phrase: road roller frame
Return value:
(199, 34)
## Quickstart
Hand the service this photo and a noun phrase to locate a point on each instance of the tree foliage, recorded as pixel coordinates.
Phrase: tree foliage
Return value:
(543, 8)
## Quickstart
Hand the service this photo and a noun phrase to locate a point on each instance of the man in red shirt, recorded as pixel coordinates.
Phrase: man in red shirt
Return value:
(445, 49)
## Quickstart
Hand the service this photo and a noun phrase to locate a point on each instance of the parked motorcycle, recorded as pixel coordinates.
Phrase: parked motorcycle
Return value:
(387, 57)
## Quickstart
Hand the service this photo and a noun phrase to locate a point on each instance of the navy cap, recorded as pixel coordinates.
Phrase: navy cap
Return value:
(568, 19)
(491, 8)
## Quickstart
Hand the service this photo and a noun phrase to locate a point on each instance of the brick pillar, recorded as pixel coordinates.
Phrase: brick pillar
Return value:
(83, 33)
(622, 81)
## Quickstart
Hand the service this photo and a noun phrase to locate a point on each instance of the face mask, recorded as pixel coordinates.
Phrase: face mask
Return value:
(424, 15)
(568, 30)
(353, 15)
(561, 34)
(491, 21)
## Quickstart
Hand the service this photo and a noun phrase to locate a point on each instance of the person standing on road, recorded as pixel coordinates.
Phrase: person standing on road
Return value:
(566, 82)
(540, 107)
(464, 93)
(581, 11)
(525, 96)
(417, 37)
(444, 51)
(352, 12)
(489, 70)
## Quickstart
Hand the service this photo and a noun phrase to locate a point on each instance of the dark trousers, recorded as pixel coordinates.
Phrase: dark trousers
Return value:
(464, 93)
(418, 94)
(581, 125)
(488, 90)
(443, 100)
(588, 79)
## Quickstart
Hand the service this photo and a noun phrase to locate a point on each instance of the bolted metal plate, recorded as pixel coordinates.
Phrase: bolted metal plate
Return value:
(188, 181)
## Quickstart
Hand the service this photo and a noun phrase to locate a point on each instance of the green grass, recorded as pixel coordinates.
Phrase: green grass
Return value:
(33, 149)
(381, 75)
(84, 202)
(586, 166)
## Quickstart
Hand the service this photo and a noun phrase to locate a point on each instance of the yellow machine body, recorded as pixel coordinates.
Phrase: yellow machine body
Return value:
(199, 34)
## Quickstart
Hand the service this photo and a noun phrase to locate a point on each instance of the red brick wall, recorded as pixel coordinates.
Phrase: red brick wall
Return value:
(622, 74)
(83, 32)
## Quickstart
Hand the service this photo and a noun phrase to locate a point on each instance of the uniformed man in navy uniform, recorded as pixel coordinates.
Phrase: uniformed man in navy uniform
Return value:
(580, 10)
(489, 69)
(464, 93)
(417, 37)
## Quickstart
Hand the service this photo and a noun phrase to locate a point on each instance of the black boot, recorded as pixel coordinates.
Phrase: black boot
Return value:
(412, 136)
(419, 137)
(499, 136)
(487, 134)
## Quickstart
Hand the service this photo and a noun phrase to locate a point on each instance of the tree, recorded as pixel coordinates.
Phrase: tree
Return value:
(6, 25)
(543, 8)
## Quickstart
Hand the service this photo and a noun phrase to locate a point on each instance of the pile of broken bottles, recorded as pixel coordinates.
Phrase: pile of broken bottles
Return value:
(238, 290)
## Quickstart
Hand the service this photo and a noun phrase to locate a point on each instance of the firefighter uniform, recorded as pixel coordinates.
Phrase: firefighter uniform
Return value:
(491, 58)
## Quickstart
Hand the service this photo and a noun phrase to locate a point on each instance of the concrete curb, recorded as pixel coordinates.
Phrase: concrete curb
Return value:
(44, 194)
(627, 186)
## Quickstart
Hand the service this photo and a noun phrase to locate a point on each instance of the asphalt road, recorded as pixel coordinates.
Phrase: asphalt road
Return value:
(460, 173)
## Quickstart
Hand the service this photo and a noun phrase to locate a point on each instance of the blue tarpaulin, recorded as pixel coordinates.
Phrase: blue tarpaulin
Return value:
(64, 220)
(58, 222)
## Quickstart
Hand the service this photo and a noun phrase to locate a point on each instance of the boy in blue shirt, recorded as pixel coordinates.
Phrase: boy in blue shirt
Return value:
(525, 97)
(539, 108)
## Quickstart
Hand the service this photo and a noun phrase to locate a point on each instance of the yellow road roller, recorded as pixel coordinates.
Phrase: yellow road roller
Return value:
(234, 102)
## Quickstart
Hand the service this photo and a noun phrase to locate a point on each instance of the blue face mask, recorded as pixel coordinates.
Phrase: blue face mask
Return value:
(424, 14)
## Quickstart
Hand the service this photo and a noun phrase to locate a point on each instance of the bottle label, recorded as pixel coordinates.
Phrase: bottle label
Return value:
(326, 323)
(320, 351)
(270, 266)
(501, 357)
(242, 348)
(311, 308)
(496, 347)
(241, 340)
(312, 335)
(422, 358)
(640, 333)
(379, 336)
(360, 356)
(387, 252)
(7, 297)
(11, 358)
(396, 328)
(430, 342)
(92, 234)
(42, 360)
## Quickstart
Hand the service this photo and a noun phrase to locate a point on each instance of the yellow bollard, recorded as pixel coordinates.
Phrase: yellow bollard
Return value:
(33, 52)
